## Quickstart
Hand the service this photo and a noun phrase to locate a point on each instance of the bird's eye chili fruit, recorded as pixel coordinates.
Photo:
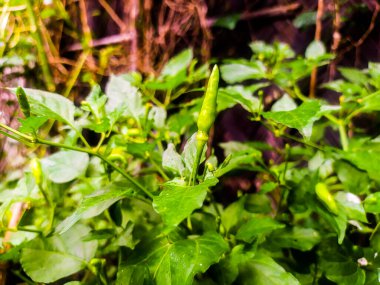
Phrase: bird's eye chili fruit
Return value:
(206, 118)
(207, 114)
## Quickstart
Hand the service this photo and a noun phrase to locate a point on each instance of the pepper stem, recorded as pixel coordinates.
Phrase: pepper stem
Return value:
(200, 146)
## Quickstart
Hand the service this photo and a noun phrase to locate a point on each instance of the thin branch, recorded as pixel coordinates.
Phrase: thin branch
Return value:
(113, 15)
(126, 37)
(317, 37)
(266, 12)
(17, 211)
(359, 42)
(132, 11)
(75, 72)
(110, 40)
(36, 32)
(336, 38)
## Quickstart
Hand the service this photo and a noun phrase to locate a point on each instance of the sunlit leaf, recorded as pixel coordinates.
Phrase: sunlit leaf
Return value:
(295, 237)
(92, 206)
(257, 226)
(177, 202)
(175, 263)
(235, 72)
(48, 260)
(65, 166)
(172, 160)
(50, 105)
(263, 270)
(300, 118)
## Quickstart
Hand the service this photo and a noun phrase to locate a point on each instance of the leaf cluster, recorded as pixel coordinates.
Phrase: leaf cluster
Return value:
(121, 210)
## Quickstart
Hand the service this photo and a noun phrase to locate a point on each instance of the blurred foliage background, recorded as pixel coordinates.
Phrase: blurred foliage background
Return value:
(67, 46)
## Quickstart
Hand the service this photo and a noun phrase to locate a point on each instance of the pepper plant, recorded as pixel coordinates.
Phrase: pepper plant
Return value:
(126, 187)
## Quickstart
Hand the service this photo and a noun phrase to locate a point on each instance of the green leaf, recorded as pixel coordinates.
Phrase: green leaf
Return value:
(354, 75)
(51, 105)
(371, 102)
(237, 94)
(236, 214)
(158, 115)
(268, 187)
(305, 19)
(315, 49)
(354, 180)
(96, 101)
(167, 83)
(31, 124)
(241, 156)
(172, 160)
(262, 48)
(372, 203)
(64, 166)
(48, 260)
(133, 274)
(346, 88)
(257, 226)
(295, 237)
(100, 127)
(301, 118)
(176, 202)
(189, 153)
(236, 72)
(177, 263)
(258, 203)
(352, 205)
(339, 265)
(263, 270)
(93, 205)
(178, 63)
(285, 103)
(367, 160)
(100, 234)
(122, 95)
(228, 22)
(228, 267)
(337, 222)
(273, 52)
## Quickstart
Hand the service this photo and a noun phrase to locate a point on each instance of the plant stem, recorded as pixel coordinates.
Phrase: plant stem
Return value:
(40, 47)
(303, 142)
(75, 73)
(12, 136)
(16, 133)
(200, 146)
(343, 136)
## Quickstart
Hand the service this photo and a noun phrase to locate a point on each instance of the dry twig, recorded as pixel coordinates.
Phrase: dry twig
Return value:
(317, 37)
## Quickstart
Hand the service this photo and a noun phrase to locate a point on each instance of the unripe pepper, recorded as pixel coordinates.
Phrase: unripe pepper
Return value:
(207, 114)
(206, 118)
(23, 102)
(326, 198)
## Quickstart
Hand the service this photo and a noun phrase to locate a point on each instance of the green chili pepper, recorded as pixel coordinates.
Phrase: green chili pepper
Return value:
(207, 114)
(23, 102)
(326, 198)
(206, 118)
